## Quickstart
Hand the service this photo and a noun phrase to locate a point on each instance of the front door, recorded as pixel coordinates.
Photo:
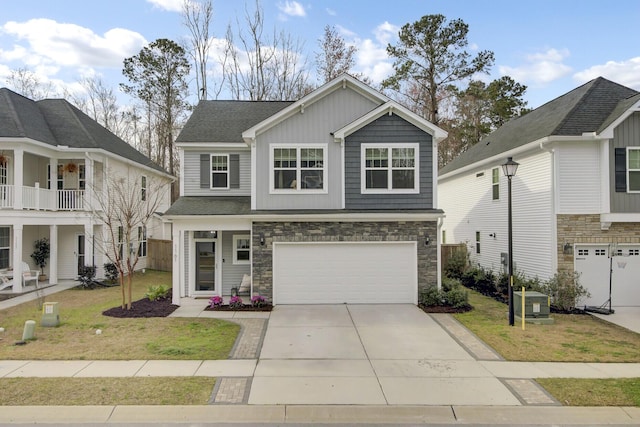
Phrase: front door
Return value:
(205, 266)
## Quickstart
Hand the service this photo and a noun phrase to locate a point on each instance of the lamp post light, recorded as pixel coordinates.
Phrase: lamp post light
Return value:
(509, 169)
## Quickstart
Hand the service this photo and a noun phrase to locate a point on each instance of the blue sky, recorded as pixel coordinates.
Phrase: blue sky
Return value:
(552, 46)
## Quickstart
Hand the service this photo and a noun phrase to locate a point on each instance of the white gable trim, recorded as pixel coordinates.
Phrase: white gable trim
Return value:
(608, 131)
(388, 108)
(341, 82)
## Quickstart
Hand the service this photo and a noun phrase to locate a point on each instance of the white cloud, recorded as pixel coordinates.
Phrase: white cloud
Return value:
(540, 68)
(44, 42)
(331, 12)
(386, 32)
(169, 5)
(626, 72)
(291, 8)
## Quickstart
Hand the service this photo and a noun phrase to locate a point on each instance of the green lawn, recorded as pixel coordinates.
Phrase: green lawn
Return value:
(121, 339)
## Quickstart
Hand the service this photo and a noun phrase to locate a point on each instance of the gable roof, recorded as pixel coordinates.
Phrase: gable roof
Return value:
(58, 123)
(224, 121)
(342, 81)
(582, 110)
(389, 107)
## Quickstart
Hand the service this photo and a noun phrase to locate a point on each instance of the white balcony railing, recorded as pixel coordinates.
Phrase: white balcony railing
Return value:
(36, 198)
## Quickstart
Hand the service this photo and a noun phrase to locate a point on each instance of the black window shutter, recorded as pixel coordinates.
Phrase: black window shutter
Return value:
(205, 171)
(234, 170)
(621, 170)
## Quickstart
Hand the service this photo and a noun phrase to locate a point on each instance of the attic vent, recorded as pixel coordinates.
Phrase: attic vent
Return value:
(479, 174)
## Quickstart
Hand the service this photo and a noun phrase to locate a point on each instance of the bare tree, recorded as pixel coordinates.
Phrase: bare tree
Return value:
(197, 16)
(125, 206)
(263, 68)
(335, 57)
(101, 104)
(27, 83)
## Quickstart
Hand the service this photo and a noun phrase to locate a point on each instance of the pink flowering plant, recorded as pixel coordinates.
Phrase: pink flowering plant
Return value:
(236, 302)
(215, 302)
(258, 301)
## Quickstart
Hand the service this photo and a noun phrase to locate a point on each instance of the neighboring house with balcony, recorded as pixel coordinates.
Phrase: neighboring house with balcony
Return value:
(576, 193)
(328, 199)
(56, 164)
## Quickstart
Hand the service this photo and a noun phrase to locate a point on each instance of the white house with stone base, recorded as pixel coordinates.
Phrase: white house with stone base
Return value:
(576, 193)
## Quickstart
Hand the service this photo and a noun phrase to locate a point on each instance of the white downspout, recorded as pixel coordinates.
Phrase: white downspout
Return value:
(439, 252)
(554, 213)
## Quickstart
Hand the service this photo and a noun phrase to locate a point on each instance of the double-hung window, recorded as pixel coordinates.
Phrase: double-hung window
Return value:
(142, 241)
(301, 168)
(143, 188)
(220, 171)
(391, 168)
(241, 249)
(633, 169)
(495, 183)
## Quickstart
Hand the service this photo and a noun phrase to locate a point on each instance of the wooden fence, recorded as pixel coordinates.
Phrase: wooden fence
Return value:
(160, 255)
(447, 251)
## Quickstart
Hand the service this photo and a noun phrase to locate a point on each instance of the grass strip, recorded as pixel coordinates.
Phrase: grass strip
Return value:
(594, 392)
(572, 337)
(106, 391)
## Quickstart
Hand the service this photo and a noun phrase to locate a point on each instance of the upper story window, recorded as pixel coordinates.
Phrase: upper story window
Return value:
(220, 171)
(633, 169)
(390, 168)
(142, 241)
(4, 172)
(60, 179)
(495, 183)
(301, 168)
(143, 188)
(82, 177)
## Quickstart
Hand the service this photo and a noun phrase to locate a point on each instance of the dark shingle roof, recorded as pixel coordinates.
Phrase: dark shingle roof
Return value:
(213, 205)
(57, 122)
(584, 109)
(224, 121)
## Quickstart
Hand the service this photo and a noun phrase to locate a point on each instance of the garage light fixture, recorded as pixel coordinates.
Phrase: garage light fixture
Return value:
(262, 239)
(567, 249)
(426, 240)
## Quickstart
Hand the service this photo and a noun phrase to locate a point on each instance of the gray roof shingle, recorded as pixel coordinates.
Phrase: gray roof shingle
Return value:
(57, 122)
(224, 121)
(584, 109)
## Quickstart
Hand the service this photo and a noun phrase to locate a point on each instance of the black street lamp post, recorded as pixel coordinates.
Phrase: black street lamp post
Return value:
(509, 169)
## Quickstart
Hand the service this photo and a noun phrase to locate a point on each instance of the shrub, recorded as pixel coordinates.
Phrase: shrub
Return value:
(480, 279)
(215, 302)
(431, 297)
(456, 264)
(452, 294)
(258, 301)
(456, 297)
(110, 272)
(86, 273)
(565, 290)
(448, 283)
(155, 293)
(235, 302)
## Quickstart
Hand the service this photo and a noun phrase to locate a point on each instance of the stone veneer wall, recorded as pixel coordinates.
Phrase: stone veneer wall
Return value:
(342, 232)
(586, 229)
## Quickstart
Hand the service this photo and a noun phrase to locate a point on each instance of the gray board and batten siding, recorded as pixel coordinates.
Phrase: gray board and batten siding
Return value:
(627, 134)
(388, 129)
(313, 126)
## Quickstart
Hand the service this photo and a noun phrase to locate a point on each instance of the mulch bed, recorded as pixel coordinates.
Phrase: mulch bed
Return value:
(444, 309)
(144, 308)
(245, 307)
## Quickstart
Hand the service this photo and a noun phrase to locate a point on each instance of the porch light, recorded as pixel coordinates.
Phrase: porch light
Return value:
(262, 239)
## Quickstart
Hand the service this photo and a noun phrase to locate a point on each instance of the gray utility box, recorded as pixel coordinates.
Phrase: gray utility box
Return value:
(536, 305)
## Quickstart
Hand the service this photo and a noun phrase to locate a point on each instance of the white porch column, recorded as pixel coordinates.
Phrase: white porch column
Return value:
(89, 192)
(17, 257)
(53, 256)
(176, 270)
(18, 182)
(53, 179)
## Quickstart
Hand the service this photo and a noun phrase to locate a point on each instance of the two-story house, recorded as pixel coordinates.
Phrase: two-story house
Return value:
(56, 166)
(576, 193)
(328, 199)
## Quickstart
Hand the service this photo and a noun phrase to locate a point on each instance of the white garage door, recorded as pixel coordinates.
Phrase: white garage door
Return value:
(336, 273)
(593, 264)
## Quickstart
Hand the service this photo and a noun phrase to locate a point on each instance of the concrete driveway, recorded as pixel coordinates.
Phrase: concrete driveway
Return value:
(367, 354)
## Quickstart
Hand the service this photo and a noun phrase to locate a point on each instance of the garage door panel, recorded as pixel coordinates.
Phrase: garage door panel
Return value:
(335, 273)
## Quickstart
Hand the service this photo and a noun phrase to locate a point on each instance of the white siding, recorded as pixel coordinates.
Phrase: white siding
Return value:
(578, 178)
(468, 206)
